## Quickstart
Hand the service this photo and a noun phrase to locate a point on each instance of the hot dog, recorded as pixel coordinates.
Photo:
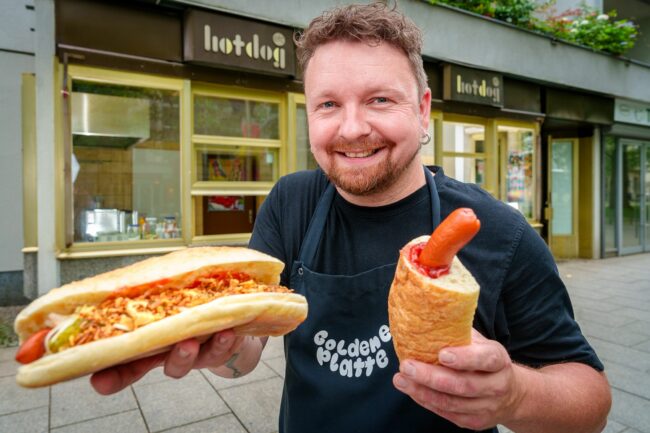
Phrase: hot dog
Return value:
(144, 308)
(433, 297)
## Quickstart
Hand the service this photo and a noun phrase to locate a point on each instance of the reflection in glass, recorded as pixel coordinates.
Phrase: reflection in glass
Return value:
(562, 188)
(518, 144)
(236, 164)
(470, 170)
(125, 160)
(631, 224)
(647, 197)
(235, 117)
(225, 214)
(609, 198)
(463, 137)
(304, 158)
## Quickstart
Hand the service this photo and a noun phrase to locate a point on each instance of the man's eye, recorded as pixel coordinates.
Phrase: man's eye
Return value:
(328, 104)
(381, 99)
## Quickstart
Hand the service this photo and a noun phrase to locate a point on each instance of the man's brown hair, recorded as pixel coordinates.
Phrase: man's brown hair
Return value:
(372, 23)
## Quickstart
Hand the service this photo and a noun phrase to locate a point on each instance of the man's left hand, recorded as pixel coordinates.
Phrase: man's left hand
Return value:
(475, 386)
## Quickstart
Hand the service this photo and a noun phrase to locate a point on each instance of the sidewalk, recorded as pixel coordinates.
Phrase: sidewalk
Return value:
(612, 303)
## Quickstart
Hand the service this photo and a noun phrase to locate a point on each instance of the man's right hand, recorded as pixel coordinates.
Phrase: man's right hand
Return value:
(180, 360)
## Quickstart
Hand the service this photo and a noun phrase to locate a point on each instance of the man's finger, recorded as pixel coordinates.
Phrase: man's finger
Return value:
(219, 349)
(486, 355)
(116, 378)
(180, 360)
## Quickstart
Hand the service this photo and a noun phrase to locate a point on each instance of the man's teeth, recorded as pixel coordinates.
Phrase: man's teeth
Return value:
(365, 154)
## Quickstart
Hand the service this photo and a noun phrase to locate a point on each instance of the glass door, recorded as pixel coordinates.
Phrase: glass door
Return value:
(634, 197)
(563, 197)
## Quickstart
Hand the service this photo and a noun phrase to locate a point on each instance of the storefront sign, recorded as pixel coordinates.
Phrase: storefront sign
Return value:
(219, 40)
(631, 112)
(470, 85)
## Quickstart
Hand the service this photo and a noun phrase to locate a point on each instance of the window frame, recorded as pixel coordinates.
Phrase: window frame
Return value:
(121, 248)
(199, 188)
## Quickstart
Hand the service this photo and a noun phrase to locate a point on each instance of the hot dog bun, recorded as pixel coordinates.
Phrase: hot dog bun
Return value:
(426, 314)
(248, 314)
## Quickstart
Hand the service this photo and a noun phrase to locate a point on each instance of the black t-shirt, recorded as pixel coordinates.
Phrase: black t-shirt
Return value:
(523, 303)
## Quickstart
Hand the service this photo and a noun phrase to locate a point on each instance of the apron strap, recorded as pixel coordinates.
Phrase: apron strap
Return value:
(316, 225)
(435, 199)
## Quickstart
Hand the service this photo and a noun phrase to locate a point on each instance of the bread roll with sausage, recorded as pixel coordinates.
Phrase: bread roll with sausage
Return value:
(144, 308)
(426, 314)
(433, 297)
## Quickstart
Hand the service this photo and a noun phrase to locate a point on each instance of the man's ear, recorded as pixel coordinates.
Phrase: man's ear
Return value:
(425, 109)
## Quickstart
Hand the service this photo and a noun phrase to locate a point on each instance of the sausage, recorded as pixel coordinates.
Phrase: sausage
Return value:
(449, 237)
(33, 348)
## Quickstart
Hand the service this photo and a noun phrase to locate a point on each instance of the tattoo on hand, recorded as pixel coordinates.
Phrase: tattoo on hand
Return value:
(231, 365)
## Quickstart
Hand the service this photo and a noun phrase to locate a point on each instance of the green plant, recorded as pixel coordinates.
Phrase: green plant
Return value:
(517, 12)
(584, 25)
(7, 336)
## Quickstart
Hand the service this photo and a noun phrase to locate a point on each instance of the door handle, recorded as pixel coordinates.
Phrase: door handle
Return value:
(548, 213)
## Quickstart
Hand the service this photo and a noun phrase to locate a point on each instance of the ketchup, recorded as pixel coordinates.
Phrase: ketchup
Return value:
(427, 271)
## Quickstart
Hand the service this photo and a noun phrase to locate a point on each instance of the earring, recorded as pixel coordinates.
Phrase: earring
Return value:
(426, 138)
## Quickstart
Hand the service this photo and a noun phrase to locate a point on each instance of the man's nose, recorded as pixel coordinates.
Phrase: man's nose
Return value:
(354, 124)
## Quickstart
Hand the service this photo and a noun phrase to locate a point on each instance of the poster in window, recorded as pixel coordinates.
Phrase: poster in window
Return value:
(220, 203)
(226, 168)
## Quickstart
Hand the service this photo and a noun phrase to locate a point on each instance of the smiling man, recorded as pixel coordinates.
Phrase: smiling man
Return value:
(366, 120)
(339, 230)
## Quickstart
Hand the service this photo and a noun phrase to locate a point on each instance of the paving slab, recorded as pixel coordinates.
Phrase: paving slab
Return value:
(7, 353)
(619, 335)
(75, 401)
(14, 398)
(130, 421)
(278, 364)
(631, 381)
(257, 405)
(274, 348)
(605, 319)
(221, 424)
(603, 305)
(630, 410)
(8, 368)
(627, 356)
(176, 402)
(28, 421)
(614, 427)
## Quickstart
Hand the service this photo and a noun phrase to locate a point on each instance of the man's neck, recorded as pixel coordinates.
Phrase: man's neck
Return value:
(411, 180)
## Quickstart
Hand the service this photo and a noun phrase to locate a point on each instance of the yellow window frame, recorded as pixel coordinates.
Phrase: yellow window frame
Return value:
(490, 144)
(122, 248)
(503, 165)
(251, 188)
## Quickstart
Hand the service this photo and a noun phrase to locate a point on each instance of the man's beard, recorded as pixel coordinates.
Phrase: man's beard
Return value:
(369, 180)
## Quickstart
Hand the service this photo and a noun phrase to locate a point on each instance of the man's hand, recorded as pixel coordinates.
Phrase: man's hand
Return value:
(183, 357)
(475, 386)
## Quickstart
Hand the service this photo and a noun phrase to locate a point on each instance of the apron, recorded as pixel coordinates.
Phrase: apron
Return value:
(341, 361)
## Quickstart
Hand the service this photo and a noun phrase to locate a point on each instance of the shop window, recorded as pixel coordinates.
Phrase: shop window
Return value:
(236, 149)
(125, 162)
(463, 148)
(235, 117)
(236, 163)
(517, 146)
